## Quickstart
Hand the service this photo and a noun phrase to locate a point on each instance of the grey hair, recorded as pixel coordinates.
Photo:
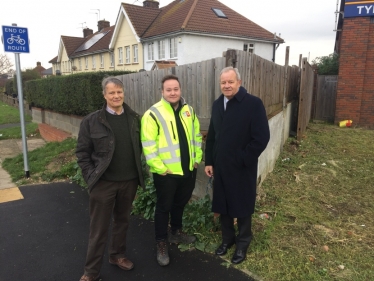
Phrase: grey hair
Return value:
(111, 79)
(227, 69)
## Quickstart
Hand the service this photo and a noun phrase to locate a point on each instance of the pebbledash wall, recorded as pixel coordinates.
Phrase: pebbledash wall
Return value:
(279, 131)
(355, 90)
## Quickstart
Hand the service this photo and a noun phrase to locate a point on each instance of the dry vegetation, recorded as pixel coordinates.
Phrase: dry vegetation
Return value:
(320, 207)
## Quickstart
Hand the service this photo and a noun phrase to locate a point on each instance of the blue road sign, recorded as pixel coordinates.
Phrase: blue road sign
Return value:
(15, 39)
(358, 8)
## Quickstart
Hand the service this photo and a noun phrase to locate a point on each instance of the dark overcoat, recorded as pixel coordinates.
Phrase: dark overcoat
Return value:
(236, 138)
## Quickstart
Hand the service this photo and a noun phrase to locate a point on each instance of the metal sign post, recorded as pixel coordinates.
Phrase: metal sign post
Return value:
(15, 40)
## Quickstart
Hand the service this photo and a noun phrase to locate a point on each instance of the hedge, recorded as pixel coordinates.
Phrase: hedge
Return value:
(77, 94)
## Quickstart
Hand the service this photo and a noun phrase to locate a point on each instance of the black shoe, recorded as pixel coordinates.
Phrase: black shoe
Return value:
(222, 249)
(180, 237)
(239, 256)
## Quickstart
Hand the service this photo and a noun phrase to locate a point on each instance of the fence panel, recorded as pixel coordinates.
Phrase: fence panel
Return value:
(305, 98)
(200, 83)
(326, 97)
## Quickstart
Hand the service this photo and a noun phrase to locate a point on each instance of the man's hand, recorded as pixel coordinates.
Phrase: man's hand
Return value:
(167, 172)
(195, 165)
(209, 171)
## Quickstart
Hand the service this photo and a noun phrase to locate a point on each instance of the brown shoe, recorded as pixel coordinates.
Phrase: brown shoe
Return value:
(122, 263)
(88, 278)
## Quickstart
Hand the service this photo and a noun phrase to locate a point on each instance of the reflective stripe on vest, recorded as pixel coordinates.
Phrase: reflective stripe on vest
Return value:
(171, 148)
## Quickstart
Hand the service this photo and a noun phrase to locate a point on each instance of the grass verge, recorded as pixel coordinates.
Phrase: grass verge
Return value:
(10, 114)
(15, 132)
(317, 209)
(54, 161)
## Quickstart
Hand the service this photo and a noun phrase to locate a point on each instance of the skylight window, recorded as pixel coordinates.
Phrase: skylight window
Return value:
(219, 13)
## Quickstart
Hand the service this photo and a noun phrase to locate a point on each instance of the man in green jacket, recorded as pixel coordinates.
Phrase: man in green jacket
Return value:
(109, 154)
(171, 139)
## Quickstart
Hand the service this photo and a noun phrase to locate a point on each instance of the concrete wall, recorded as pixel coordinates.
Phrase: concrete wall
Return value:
(279, 132)
(67, 123)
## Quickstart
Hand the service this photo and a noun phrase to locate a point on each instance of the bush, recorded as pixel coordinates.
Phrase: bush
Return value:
(77, 94)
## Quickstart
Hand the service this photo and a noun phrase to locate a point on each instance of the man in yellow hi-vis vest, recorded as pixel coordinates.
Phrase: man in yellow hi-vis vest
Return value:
(171, 139)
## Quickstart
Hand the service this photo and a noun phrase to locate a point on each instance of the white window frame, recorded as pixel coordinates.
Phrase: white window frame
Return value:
(101, 60)
(151, 54)
(111, 57)
(135, 53)
(161, 49)
(173, 47)
(86, 62)
(120, 55)
(80, 64)
(249, 47)
(93, 62)
(127, 50)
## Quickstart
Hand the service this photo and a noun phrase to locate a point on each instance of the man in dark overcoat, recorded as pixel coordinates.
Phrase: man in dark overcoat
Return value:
(238, 134)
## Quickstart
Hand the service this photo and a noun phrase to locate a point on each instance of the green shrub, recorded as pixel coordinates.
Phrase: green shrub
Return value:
(77, 94)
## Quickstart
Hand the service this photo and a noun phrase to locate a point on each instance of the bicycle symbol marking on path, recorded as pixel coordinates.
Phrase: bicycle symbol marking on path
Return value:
(16, 39)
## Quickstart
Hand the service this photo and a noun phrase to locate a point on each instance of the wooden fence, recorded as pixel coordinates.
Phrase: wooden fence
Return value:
(305, 98)
(325, 98)
(274, 84)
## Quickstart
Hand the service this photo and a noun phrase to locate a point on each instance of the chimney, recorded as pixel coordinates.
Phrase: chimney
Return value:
(101, 24)
(38, 63)
(151, 4)
(87, 32)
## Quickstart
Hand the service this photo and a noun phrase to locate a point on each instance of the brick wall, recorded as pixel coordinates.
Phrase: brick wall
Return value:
(50, 133)
(355, 91)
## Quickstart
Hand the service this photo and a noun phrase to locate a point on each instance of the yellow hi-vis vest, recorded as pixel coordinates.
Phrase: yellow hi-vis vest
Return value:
(159, 137)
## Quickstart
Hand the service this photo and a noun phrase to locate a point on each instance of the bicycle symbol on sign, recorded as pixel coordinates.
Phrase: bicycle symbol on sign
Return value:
(16, 39)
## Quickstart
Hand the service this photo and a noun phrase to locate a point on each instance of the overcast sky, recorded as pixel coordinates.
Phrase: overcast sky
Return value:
(307, 27)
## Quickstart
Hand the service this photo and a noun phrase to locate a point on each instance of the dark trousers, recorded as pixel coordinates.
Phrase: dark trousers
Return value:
(244, 237)
(172, 196)
(107, 198)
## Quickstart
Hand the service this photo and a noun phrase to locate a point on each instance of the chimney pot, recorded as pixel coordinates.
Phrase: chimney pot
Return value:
(87, 32)
(101, 24)
(151, 4)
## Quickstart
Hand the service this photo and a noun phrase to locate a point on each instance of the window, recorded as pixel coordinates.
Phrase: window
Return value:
(150, 52)
(219, 13)
(102, 60)
(93, 61)
(120, 55)
(161, 49)
(248, 47)
(135, 53)
(86, 62)
(80, 64)
(127, 54)
(111, 55)
(173, 47)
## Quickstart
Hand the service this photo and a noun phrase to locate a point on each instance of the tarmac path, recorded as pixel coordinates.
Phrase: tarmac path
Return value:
(44, 237)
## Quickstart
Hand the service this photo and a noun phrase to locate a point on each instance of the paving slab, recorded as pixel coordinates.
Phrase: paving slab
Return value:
(9, 149)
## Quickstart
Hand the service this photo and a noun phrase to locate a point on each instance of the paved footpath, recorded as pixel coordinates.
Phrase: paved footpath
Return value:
(9, 149)
(44, 234)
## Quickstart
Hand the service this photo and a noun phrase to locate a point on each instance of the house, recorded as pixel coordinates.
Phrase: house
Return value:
(48, 72)
(39, 68)
(185, 31)
(85, 54)
(355, 46)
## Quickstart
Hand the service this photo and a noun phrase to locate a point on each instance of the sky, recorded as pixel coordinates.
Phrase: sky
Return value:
(307, 27)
